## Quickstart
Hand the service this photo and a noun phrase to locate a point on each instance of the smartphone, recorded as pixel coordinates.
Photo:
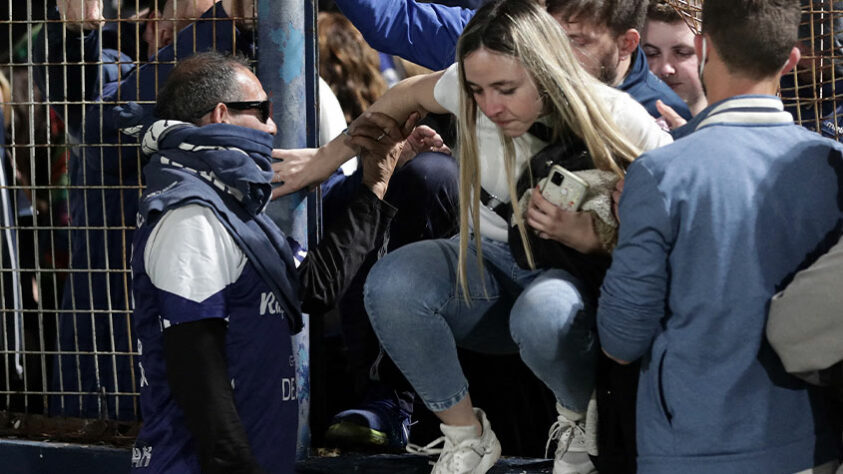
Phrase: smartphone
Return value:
(565, 189)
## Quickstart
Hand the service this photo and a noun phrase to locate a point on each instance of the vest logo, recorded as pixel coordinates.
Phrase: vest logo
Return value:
(288, 388)
(141, 456)
(270, 305)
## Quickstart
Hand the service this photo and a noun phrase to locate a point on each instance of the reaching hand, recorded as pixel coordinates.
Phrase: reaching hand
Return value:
(376, 133)
(669, 116)
(421, 139)
(242, 11)
(574, 229)
(382, 141)
(81, 14)
(298, 169)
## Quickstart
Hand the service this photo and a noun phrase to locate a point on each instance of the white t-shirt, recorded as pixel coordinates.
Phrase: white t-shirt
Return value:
(332, 122)
(630, 116)
(191, 254)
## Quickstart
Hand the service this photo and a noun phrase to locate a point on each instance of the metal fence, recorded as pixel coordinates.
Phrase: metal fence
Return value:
(69, 188)
(810, 91)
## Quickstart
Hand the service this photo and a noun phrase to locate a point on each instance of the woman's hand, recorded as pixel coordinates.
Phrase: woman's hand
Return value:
(422, 138)
(299, 168)
(372, 133)
(381, 140)
(574, 229)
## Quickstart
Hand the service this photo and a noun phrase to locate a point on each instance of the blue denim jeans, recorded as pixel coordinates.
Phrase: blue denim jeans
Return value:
(421, 316)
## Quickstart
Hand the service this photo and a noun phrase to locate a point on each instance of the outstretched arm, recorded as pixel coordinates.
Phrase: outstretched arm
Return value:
(422, 33)
(305, 167)
(329, 268)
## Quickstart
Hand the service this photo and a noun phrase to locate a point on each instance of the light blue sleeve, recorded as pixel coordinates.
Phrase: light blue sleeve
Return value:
(633, 299)
(422, 33)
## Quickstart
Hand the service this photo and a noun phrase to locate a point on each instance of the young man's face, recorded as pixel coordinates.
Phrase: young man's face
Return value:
(669, 48)
(596, 48)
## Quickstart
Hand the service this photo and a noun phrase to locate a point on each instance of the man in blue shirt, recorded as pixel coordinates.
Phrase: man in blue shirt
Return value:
(712, 227)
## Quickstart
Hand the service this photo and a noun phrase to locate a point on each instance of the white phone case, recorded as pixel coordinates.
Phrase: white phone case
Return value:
(565, 189)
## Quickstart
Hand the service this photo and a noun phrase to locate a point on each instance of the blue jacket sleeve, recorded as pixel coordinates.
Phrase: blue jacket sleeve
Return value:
(633, 298)
(422, 33)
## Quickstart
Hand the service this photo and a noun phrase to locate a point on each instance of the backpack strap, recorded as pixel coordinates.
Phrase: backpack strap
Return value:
(497, 206)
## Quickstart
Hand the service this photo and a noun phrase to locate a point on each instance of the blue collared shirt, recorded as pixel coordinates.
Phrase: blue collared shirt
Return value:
(711, 227)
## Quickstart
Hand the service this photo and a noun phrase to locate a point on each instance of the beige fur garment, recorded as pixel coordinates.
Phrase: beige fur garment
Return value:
(597, 201)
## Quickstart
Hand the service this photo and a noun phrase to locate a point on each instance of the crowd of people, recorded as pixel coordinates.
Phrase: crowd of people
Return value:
(683, 316)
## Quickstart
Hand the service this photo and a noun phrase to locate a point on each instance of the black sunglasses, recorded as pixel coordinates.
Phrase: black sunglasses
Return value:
(263, 106)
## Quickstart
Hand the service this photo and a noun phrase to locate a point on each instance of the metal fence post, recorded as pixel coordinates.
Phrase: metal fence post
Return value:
(287, 70)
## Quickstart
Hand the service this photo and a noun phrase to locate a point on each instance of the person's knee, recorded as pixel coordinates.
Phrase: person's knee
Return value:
(428, 174)
(402, 277)
(386, 281)
(426, 192)
(544, 322)
(437, 168)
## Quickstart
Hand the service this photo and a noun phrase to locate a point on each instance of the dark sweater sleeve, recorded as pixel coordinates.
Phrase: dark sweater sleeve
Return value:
(197, 373)
(329, 268)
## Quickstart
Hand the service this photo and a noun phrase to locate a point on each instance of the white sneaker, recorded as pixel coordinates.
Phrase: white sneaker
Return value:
(464, 452)
(571, 450)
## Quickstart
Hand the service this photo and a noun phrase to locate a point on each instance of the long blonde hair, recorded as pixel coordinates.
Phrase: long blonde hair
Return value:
(521, 29)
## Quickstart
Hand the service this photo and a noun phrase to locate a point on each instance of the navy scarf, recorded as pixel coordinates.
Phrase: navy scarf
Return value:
(227, 169)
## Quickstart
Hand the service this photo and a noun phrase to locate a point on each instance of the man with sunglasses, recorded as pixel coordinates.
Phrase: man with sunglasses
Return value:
(93, 69)
(217, 289)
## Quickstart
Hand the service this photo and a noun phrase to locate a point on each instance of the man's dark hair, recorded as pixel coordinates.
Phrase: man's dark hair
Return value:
(199, 83)
(753, 37)
(661, 11)
(618, 15)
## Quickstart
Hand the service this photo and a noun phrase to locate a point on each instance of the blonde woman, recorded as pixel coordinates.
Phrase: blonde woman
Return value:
(516, 67)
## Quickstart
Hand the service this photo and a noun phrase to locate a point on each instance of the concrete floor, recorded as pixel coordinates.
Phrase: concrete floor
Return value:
(409, 464)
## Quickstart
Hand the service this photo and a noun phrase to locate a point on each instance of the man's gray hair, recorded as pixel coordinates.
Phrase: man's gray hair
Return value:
(197, 84)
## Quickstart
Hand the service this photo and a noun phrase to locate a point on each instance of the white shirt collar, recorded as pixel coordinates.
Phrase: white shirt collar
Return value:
(750, 110)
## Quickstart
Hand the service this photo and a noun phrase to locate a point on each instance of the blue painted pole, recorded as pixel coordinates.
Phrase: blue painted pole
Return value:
(283, 27)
